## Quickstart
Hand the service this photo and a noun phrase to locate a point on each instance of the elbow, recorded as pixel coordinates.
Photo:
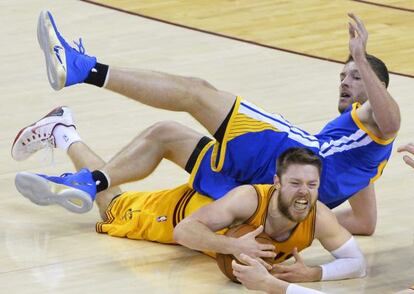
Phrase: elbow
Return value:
(391, 127)
(390, 131)
(367, 229)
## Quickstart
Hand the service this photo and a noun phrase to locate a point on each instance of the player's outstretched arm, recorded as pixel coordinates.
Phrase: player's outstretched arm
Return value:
(382, 111)
(361, 217)
(349, 261)
(198, 230)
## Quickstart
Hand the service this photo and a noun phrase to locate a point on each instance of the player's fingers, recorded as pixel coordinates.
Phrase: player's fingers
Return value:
(247, 259)
(351, 30)
(266, 247)
(266, 254)
(408, 147)
(361, 26)
(257, 231)
(278, 268)
(264, 263)
(408, 160)
(237, 266)
(296, 255)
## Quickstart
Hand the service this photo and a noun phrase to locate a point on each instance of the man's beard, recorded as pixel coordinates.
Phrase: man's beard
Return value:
(284, 209)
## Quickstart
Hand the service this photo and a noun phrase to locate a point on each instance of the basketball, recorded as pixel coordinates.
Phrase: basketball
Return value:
(224, 260)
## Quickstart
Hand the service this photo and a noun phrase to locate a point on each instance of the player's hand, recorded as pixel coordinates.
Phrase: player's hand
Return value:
(297, 272)
(407, 148)
(358, 37)
(248, 245)
(253, 275)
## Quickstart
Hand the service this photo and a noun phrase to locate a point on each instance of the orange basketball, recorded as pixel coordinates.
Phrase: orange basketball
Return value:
(224, 260)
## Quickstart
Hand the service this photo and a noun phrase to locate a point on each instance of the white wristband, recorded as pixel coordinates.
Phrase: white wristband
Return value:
(349, 263)
(296, 289)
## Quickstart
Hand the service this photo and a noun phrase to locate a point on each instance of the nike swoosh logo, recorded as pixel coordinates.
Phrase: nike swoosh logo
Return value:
(57, 49)
(35, 128)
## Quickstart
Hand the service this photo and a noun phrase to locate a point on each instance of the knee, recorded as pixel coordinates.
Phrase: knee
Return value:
(202, 83)
(164, 131)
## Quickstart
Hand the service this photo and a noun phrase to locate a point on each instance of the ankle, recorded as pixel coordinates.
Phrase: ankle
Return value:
(101, 179)
(65, 136)
(98, 75)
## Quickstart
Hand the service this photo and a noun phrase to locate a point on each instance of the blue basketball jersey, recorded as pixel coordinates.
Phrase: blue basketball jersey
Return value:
(352, 156)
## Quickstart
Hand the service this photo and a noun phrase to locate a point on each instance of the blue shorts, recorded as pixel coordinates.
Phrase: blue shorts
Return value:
(252, 141)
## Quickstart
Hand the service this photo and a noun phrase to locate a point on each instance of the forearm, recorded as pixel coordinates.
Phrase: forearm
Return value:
(364, 225)
(384, 107)
(197, 236)
(349, 263)
(276, 286)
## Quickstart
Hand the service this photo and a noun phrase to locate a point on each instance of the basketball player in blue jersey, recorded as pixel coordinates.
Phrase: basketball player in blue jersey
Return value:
(354, 147)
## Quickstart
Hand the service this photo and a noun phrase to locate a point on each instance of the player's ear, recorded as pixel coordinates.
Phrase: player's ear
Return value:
(276, 182)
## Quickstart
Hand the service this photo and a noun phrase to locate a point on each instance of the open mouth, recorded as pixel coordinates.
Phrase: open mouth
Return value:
(300, 204)
(345, 95)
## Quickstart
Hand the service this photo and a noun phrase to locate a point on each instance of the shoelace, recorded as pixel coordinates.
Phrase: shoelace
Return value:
(81, 49)
(65, 175)
(47, 145)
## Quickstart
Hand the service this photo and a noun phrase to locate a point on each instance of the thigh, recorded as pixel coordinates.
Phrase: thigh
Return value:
(179, 142)
(211, 108)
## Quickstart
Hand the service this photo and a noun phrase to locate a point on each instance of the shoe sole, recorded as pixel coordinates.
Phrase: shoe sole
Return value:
(48, 40)
(43, 192)
(26, 131)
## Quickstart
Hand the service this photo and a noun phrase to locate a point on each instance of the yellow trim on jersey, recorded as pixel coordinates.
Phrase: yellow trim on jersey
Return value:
(365, 129)
(239, 124)
(243, 124)
(198, 162)
(109, 216)
(221, 147)
(381, 167)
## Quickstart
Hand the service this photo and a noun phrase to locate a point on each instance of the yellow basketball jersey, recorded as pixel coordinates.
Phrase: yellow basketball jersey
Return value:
(301, 236)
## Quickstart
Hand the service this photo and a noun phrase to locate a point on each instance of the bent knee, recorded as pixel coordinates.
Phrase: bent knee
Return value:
(164, 130)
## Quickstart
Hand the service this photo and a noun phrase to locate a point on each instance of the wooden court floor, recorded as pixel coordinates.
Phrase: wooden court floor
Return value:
(49, 250)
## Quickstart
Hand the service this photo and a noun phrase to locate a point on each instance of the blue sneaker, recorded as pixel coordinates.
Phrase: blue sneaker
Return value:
(75, 192)
(65, 65)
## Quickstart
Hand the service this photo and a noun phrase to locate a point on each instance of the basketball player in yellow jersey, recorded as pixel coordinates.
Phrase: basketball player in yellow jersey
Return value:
(289, 212)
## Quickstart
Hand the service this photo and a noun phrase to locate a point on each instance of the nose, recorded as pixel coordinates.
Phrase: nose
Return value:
(303, 190)
(345, 82)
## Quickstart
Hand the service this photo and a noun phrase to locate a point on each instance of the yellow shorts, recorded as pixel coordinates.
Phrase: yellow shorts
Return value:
(150, 216)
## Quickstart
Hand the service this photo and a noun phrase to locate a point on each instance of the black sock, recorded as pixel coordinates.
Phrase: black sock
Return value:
(97, 75)
(100, 180)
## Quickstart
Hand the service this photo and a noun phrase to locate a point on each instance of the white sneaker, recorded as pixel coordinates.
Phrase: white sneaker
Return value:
(39, 135)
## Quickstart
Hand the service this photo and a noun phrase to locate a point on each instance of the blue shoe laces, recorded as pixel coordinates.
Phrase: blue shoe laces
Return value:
(81, 49)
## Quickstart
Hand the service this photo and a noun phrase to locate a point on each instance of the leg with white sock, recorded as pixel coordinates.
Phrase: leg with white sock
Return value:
(57, 130)
(76, 192)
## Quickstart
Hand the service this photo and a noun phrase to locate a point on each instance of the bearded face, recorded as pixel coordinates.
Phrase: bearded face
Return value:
(298, 191)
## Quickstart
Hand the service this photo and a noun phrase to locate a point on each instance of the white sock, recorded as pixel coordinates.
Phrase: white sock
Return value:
(65, 136)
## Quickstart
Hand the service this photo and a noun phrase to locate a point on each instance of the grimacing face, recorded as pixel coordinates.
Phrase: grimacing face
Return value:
(351, 88)
(298, 191)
